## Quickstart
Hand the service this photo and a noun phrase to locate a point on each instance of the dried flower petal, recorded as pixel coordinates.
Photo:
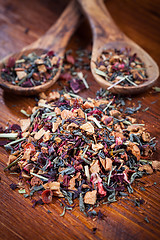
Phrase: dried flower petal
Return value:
(101, 190)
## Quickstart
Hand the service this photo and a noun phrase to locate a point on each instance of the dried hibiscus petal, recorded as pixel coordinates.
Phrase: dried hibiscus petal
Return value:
(70, 59)
(101, 190)
(29, 147)
(76, 85)
(11, 62)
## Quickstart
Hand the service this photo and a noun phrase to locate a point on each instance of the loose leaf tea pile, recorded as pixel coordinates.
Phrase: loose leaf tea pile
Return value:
(76, 148)
(121, 67)
(31, 70)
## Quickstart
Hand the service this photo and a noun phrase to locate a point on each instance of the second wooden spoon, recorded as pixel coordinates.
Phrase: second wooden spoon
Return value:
(106, 35)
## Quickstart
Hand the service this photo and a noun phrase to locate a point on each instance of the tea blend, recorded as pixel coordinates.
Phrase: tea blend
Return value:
(31, 70)
(121, 67)
(73, 69)
(76, 148)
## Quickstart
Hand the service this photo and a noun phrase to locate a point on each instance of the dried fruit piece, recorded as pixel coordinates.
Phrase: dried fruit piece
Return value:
(106, 163)
(55, 187)
(88, 127)
(53, 96)
(39, 134)
(146, 136)
(97, 147)
(29, 147)
(95, 168)
(25, 124)
(135, 150)
(21, 74)
(54, 127)
(147, 168)
(156, 165)
(65, 114)
(90, 197)
(115, 113)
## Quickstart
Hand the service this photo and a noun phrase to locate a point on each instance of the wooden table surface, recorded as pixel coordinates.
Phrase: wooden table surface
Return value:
(22, 22)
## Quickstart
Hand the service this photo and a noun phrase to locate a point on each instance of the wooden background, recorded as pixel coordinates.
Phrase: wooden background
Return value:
(22, 22)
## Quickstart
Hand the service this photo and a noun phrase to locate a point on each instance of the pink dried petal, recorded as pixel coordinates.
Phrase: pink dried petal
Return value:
(70, 59)
(65, 76)
(101, 190)
(95, 178)
(118, 141)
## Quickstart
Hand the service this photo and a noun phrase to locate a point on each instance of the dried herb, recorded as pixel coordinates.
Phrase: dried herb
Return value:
(71, 147)
(73, 68)
(120, 67)
(31, 70)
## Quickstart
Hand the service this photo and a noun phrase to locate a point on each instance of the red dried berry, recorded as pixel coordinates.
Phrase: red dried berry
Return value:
(47, 196)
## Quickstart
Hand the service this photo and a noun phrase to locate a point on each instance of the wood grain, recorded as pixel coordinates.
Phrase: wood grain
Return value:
(122, 220)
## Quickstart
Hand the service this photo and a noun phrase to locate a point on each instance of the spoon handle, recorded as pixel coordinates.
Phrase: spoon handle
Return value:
(103, 27)
(58, 35)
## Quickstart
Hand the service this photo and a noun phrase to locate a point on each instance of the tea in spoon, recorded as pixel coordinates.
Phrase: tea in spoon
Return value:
(54, 40)
(107, 36)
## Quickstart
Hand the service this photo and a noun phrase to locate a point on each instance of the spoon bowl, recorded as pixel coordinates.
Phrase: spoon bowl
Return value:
(106, 35)
(55, 39)
(29, 90)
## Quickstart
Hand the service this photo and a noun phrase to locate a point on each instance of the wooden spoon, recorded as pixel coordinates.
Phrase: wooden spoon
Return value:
(56, 39)
(106, 35)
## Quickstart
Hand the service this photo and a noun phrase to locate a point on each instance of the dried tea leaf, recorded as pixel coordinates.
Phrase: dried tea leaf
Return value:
(71, 126)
